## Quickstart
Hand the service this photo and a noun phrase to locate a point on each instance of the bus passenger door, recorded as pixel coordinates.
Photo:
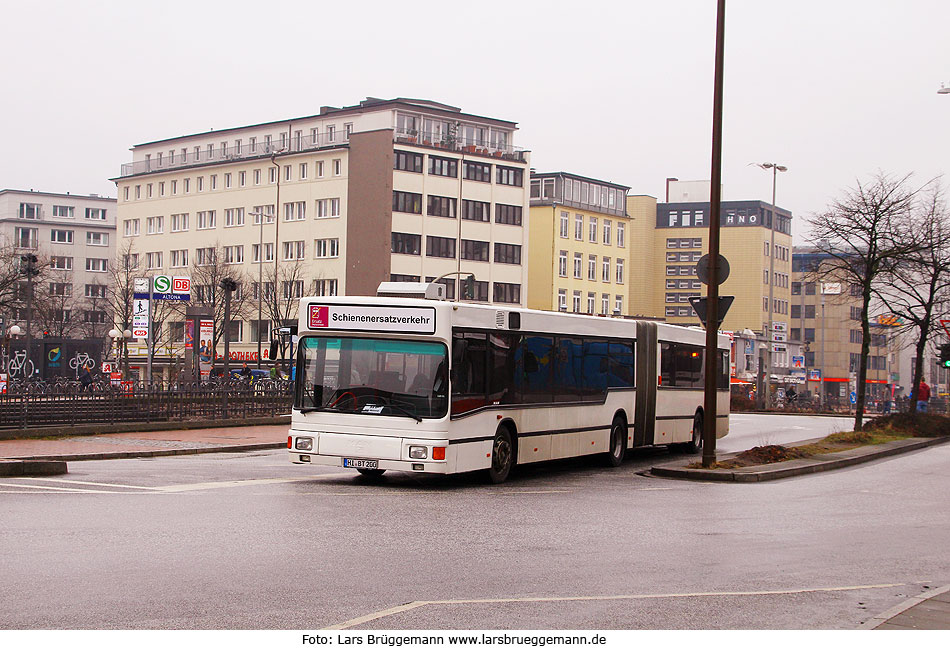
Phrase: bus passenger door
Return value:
(645, 415)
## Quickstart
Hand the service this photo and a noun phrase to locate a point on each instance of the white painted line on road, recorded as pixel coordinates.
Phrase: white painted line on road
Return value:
(61, 480)
(536, 491)
(215, 485)
(558, 599)
(58, 489)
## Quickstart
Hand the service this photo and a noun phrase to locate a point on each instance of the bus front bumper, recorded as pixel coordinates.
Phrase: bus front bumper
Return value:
(370, 452)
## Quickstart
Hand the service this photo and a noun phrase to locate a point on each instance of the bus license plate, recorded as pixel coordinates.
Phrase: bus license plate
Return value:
(360, 463)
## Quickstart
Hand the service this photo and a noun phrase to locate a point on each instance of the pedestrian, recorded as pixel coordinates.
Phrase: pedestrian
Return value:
(85, 378)
(923, 396)
(245, 372)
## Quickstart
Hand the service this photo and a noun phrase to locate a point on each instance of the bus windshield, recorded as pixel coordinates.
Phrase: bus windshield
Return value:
(372, 377)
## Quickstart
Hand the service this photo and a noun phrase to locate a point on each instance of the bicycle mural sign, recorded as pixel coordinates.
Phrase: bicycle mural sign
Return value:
(52, 358)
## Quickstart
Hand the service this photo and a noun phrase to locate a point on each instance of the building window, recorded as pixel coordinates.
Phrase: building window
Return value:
(26, 237)
(337, 167)
(440, 206)
(63, 211)
(605, 270)
(95, 291)
(562, 299)
(179, 222)
(65, 236)
(97, 239)
(234, 217)
(407, 202)
(407, 161)
(618, 304)
(509, 176)
(326, 248)
(320, 169)
(562, 264)
(155, 225)
(476, 171)
(268, 252)
(96, 214)
(476, 210)
(474, 250)
(591, 296)
(619, 270)
(507, 253)
(592, 267)
(508, 214)
(604, 302)
(288, 172)
(579, 227)
(578, 264)
(294, 250)
(606, 232)
(325, 287)
(328, 208)
(506, 292)
(406, 243)
(295, 211)
(179, 258)
(592, 233)
(292, 289)
(60, 263)
(443, 166)
(440, 247)
(206, 220)
(233, 254)
(564, 225)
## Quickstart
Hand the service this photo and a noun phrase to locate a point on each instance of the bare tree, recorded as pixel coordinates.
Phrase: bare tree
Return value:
(864, 234)
(54, 307)
(917, 290)
(120, 292)
(206, 275)
(97, 317)
(283, 288)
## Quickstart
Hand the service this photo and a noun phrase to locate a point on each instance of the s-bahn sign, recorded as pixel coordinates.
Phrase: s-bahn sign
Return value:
(166, 287)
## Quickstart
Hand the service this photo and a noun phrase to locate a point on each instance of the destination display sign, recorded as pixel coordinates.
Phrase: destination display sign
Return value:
(366, 318)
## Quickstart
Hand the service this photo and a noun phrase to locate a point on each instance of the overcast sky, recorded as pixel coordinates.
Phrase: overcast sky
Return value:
(834, 90)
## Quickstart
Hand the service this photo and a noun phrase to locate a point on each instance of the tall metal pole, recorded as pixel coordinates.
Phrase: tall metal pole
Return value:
(273, 160)
(712, 292)
(769, 335)
(821, 383)
(260, 285)
(29, 320)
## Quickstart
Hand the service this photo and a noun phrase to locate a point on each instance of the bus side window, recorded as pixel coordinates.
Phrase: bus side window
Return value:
(620, 373)
(469, 352)
(723, 378)
(666, 365)
(502, 387)
(535, 362)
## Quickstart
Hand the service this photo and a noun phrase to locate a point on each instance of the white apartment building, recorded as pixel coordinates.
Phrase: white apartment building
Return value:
(75, 233)
(399, 189)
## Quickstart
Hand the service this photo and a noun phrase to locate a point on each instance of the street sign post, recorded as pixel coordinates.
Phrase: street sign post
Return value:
(700, 307)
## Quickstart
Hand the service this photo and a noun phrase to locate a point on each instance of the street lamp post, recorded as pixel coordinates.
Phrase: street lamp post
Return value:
(260, 278)
(775, 167)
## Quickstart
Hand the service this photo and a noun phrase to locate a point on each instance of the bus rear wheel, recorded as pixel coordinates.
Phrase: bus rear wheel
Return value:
(502, 456)
(695, 445)
(370, 473)
(618, 443)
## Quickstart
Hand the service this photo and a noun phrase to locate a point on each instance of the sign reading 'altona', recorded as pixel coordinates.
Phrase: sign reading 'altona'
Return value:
(417, 320)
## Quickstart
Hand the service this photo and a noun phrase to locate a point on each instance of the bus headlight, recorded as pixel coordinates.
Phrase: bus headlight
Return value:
(304, 444)
(418, 453)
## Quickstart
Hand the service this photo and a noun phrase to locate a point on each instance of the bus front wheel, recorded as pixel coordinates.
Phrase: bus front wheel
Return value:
(618, 443)
(695, 445)
(502, 456)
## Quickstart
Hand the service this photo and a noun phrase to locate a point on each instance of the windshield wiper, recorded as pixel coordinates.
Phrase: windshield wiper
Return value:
(404, 411)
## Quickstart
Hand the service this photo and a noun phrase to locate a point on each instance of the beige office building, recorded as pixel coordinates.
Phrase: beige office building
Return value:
(399, 189)
(578, 238)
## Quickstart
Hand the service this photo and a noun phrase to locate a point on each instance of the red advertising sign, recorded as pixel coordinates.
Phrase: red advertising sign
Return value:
(319, 316)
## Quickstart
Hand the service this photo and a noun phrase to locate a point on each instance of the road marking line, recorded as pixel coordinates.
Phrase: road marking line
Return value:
(555, 599)
(59, 489)
(214, 485)
(60, 480)
(536, 491)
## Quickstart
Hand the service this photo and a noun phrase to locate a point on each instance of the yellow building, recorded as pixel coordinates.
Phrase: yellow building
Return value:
(578, 240)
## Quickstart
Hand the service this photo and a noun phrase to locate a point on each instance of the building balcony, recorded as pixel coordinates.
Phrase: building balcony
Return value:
(232, 154)
(460, 144)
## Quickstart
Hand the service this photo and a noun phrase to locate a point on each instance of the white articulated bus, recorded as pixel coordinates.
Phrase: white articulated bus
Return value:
(443, 387)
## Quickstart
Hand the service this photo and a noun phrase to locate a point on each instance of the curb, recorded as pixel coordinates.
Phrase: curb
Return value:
(150, 453)
(884, 617)
(32, 467)
(796, 467)
(133, 427)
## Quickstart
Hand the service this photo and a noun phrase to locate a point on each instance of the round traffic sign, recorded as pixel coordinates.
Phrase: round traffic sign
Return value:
(702, 269)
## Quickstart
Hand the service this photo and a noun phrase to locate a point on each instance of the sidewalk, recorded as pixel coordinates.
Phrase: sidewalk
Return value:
(796, 467)
(146, 443)
(930, 612)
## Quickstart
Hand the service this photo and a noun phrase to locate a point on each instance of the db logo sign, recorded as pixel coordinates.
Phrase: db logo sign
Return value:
(163, 284)
(319, 316)
(181, 285)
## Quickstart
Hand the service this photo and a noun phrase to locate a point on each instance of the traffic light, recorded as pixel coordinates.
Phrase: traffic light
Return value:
(29, 265)
(945, 355)
(468, 287)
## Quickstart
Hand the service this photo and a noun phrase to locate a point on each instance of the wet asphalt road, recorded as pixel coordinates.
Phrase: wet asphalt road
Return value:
(250, 541)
